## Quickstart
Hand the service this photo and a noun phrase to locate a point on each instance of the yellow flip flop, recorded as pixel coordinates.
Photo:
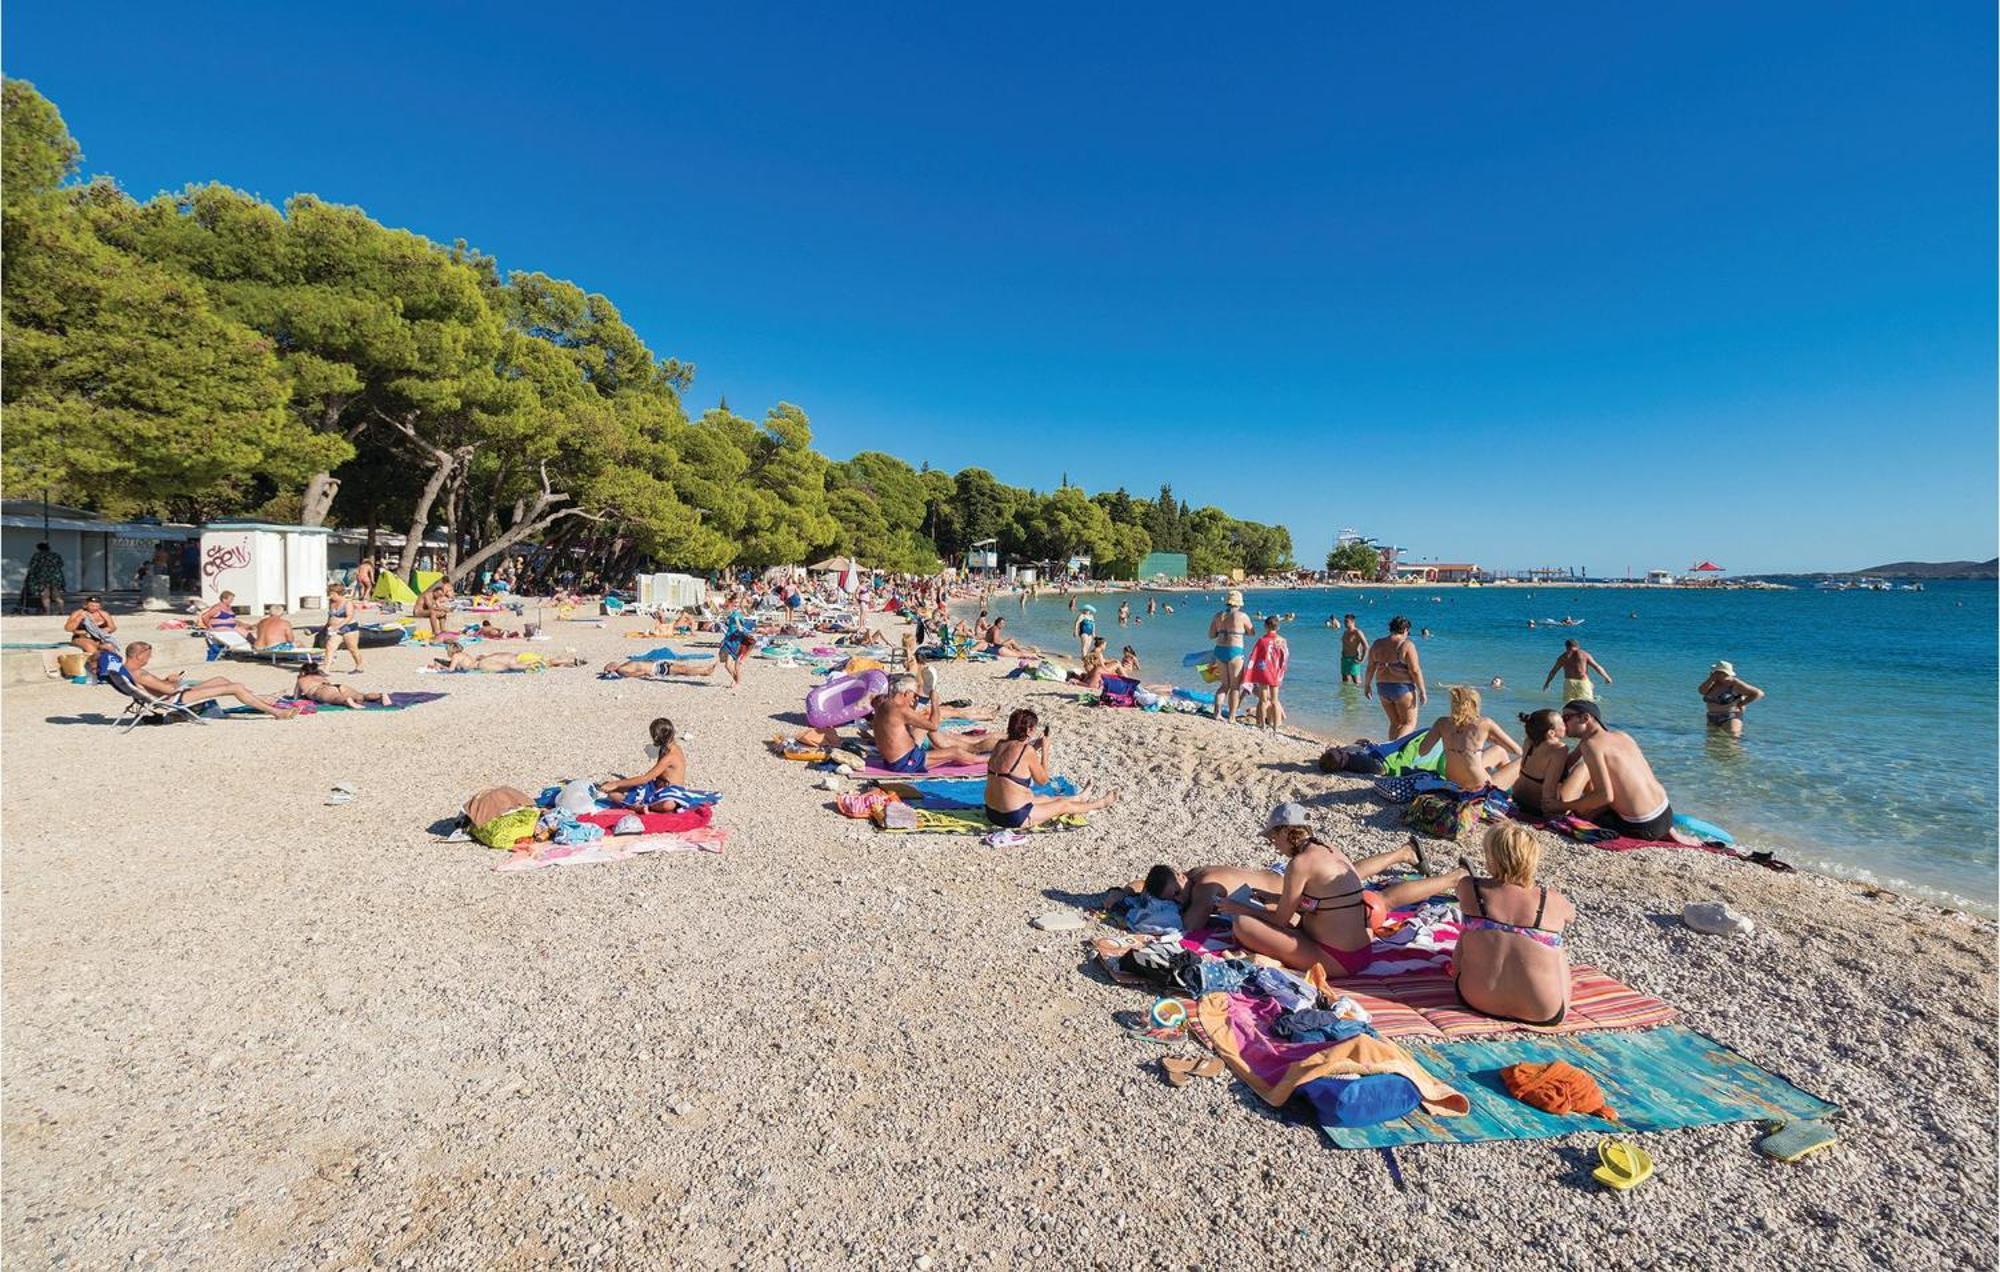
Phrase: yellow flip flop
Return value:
(1625, 1165)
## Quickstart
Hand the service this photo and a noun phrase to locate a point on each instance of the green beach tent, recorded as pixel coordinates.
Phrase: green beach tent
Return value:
(390, 587)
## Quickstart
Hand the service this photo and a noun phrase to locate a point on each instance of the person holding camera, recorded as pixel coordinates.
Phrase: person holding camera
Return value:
(1018, 765)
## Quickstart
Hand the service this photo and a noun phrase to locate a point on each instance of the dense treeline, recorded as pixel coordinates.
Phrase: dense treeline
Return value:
(205, 354)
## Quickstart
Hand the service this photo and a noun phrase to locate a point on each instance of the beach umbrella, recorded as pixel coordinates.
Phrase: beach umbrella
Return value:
(390, 587)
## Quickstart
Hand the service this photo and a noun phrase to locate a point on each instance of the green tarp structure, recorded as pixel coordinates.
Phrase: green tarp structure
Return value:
(1171, 564)
(390, 587)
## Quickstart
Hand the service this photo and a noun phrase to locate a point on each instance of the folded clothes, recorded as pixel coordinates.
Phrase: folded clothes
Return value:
(1148, 915)
(1314, 1025)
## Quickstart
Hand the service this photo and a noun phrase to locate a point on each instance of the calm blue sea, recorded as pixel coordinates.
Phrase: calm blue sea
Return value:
(1874, 755)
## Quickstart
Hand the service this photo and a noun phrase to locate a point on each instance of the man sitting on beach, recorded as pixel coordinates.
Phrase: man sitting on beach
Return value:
(897, 725)
(273, 631)
(133, 664)
(1608, 780)
(1576, 664)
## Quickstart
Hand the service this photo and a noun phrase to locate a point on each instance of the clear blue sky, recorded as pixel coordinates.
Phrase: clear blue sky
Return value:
(1600, 284)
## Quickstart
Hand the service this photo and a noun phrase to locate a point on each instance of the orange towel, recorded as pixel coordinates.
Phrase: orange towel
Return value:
(1559, 1087)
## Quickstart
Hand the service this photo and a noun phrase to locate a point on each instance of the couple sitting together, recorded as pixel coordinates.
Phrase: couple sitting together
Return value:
(1509, 963)
(1605, 780)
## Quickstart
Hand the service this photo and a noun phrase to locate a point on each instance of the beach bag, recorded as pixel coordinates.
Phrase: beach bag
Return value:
(1117, 692)
(578, 796)
(1444, 816)
(1362, 1101)
(1396, 790)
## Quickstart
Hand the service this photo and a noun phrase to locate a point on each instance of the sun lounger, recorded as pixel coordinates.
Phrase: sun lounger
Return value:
(224, 643)
(142, 706)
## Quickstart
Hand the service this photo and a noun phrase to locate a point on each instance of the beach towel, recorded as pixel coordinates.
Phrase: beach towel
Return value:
(403, 702)
(875, 769)
(601, 851)
(1239, 1027)
(1570, 826)
(972, 821)
(965, 792)
(654, 823)
(1425, 1005)
(666, 654)
(1659, 1080)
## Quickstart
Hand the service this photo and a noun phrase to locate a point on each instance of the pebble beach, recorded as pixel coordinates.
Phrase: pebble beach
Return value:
(247, 1028)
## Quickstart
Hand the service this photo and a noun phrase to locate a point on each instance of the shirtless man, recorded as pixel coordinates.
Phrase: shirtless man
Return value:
(178, 690)
(645, 668)
(1230, 633)
(1005, 646)
(897, 724)
(1608, 780)
(1576, 664)
(273, 631)
(1198, 891)
(434, 607)
(1353, 650)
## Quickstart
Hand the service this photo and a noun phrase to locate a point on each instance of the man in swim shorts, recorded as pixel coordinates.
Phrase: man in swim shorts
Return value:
(1576, 664)
(1608, 781)
(904, 736)
(1230, 630)
(1353, 650)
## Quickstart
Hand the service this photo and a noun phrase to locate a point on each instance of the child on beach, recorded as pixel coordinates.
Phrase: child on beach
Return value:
(648, 791)
(1265, 672)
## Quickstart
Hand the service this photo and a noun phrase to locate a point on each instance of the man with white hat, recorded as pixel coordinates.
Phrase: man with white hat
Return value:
(1230, 631)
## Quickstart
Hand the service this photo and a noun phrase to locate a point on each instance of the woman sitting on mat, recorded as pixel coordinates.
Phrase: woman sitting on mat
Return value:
(1510, 963)
(313, 685)
(1016, 767)
(644, 792)
(1545, 750)
(1335, 915)
(1477, 752)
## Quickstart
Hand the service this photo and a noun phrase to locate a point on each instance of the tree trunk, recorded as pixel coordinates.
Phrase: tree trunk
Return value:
(520, 531)
(318, 499)
(442, 463)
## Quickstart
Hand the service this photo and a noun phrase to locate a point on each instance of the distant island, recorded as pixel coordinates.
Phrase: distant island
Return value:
(1935, 570)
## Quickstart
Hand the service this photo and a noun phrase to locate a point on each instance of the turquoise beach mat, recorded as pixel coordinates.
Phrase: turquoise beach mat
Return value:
(1656, 1079)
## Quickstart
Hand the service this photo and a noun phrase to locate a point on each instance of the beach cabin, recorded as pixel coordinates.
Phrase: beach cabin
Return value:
(264, 564)
(98, 555)
(1660, 578)
(671, 591)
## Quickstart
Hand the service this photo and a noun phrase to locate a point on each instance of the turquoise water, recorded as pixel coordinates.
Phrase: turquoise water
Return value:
(1874, 755)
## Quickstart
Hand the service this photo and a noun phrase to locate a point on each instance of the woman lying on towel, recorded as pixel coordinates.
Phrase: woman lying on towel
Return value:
(314, 685)
(456, 659)
(1323, 913)
(642, 668)
(1016, 767)
(1511, 963)
(643, 793)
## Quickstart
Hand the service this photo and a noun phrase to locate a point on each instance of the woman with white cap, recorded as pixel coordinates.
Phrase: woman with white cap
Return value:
(1230, 630)
(1323, 913)
(1725, 696)
(1086, 628)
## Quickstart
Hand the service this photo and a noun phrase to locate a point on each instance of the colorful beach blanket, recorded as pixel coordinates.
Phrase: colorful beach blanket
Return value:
(972, 821)
(602, 851)
(666, 654)
(653, 823)
(403, 702)
(974, 769)
(1425, 1005)
(1239, 1027)
(965, 792)
(1660, 1079)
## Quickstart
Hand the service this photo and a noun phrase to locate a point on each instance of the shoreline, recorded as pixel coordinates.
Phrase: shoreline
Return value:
(1323, 730)
(247, 1028)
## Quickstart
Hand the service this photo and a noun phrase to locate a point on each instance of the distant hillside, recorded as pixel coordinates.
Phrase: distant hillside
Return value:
(1937, 569)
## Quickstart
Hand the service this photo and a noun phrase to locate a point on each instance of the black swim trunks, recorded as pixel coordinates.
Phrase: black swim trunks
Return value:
(1658, 829)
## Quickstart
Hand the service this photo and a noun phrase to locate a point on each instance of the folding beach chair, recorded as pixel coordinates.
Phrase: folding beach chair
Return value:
(141, 706)
(228, 644)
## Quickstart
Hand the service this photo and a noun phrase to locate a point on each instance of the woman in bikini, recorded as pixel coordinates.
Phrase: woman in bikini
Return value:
(1016, 767)
(1545, 750)
(648, 791)
(1335, 915)
(221, 616)
(1724, 696)
(1395, 676)
(1477, 752)
(313, 685)
(343, 626)
(1510, 962)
